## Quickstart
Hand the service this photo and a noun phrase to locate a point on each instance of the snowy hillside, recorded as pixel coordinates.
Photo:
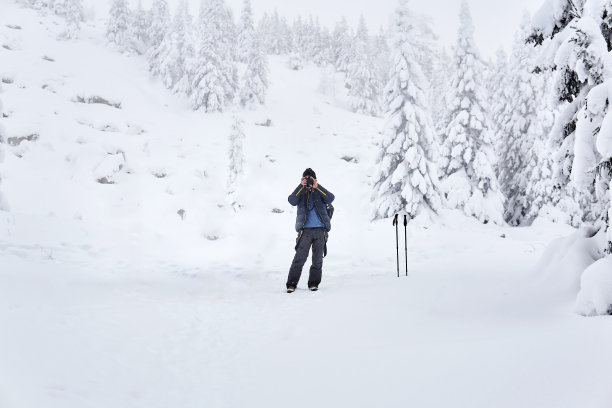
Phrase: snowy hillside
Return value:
(130, 278)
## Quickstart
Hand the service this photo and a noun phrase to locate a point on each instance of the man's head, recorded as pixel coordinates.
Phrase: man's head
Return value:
(309, 173)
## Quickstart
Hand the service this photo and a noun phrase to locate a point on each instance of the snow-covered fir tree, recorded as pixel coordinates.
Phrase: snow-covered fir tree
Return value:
(73, 13)
(3, 140)
(382, 57)
(440, 85)
(577, 42)
(140, 29)
(497, 85)
(236, 157)
(342, 46)
(524, 119)
(255, 79)
(405, 179)
(297, 56)
(119, 23)
(246, 32)
(160, 25)
(362, 76)
(319, 43)
(215, 75)
(470, 183)
(175, 52)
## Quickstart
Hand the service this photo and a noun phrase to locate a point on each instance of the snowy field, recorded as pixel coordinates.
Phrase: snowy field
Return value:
(110, 298)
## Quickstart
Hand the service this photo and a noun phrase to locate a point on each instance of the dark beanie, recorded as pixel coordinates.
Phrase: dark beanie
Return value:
(309, 172)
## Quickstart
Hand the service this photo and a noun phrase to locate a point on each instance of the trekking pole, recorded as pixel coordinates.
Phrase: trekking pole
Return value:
(406, 242)
(396, 242)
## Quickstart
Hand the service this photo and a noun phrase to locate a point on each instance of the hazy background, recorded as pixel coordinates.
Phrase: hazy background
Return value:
(495, 21)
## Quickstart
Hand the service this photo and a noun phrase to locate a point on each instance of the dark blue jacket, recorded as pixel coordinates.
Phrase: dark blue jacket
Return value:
(320, 196)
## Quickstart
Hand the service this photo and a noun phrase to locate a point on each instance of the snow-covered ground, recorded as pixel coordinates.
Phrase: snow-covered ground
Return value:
(109, 298)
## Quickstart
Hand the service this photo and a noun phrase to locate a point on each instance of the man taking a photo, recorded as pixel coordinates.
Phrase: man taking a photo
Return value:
(312, 225)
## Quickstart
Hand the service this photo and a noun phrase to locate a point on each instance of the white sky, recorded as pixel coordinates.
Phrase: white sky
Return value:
(495, 20)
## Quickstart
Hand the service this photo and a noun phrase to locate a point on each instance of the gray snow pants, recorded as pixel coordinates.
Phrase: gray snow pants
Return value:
(314, 237)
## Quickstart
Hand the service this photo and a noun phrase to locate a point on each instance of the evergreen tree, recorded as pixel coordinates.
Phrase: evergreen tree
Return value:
(382, 57)
(141, 27)
(118, 25)
(362, 76)
(247, 32)
(499, 94)
(3, 140)
(297, 55)
(342, 46)
(215, 75)
(175, 52)
(255, 78)
(160, 25)
(236, 158)
(73, 13)
(406, 177)
(578, 57)
(525, 119)
(440, 87)
(470, 184)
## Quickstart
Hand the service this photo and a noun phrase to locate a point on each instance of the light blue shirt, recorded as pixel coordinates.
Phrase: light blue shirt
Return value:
(312, 218)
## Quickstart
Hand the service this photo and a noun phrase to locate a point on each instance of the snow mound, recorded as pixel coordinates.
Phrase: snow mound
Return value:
(595, 296)
(565, 259)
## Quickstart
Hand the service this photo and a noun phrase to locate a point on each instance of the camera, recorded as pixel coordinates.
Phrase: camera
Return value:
(309, 182)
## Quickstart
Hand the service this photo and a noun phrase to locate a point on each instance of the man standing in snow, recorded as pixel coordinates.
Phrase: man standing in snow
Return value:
(312, 224)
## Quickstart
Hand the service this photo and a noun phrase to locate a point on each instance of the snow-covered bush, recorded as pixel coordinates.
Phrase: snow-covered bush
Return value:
(595, 296)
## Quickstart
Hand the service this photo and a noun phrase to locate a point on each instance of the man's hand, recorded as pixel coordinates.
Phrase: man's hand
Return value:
(303, 181)
(315, 184)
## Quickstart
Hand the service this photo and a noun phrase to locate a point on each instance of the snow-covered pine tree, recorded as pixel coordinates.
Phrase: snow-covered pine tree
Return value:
(362, 76)
(73, 13)
(118, 25)
(406, 176)
(236, 158)
(176, 52)
(524, 119)
(275, 34)
(160, 25)
(298, 45)
(497, 84)
(576, 41)
(282, 37)
(140, 29)
(255, 79)
(3, 205)
(35, 4)
(229, 35)
(440, 85)
(382, 57)
(246, 32)
(470, 183)
(342, 46)
(215, 75)
(319, 44)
